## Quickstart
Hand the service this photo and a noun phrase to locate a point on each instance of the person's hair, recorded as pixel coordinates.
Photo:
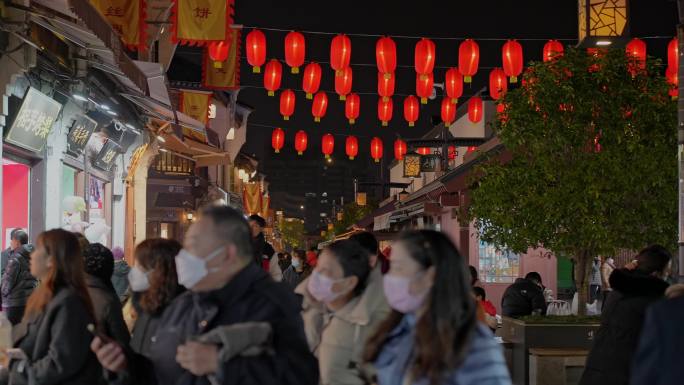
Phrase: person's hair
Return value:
(258, 219)
(19, 235)
(118, 253)
(66, 271)
(367, 241)
(354, 261)
(534, 276)
(157, 256)
(480, 292)
(99, 262)
(653, 259)
(82, 241)
(230, 225)
(443, 331)
(473, 274)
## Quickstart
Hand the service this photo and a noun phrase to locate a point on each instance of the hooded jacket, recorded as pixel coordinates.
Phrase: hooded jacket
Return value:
(17, 281)
(120, 279)
(523, 298)
(621, 322)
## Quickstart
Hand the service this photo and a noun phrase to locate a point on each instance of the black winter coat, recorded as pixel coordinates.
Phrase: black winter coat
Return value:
(107, 310)
(522, 298)
(260, 248)
(57, 344)
(17, 281)
(622, 318)
(250, 296)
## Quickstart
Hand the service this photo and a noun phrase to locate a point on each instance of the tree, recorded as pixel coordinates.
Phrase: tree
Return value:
(594, 166)
(292, 232)
(352, 213)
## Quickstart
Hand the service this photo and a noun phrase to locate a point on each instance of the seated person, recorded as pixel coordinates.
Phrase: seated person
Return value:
(524, 297)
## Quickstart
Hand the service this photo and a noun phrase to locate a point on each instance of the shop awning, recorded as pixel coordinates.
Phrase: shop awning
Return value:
(165, 113)
(382, 222)
(203, 154)
(415, 210)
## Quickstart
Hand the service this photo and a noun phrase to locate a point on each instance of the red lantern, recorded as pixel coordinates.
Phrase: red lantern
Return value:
(386, 55)
(272, 76)
(453, 84)
(376, 149)
(501, 112)
(385, 108)
(425, 57)
(399, 149)
(475, 109)
(319, 106)
(256, 49)
(295, 50)
(351, 107)
(301, 141)
(673, 53)
(424, 86)
(424, 150)
(340, 52)
(287, 103)
(636, 52)
(552, 49)
(278, 139)
(327, 145)
(512, 56)
(218, 52)
(468, 59)
(448, 111)
(386, 85)
(471, 149)
(311, 81)
(452, 152)
(497, 83)
(411, 110)
(352, 147)
(673, 79)
(343, 82)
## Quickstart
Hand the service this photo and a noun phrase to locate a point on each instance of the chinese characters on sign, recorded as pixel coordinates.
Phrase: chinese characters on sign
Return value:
(125, 17)
(200, 21)
(106, 157)
(34, 120)
(227, 75)
(79, 134)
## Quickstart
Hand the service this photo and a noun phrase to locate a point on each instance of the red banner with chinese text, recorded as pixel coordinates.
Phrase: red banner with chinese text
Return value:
(251, 198)
(127, 17)
(201, 21)
(227, 76)
(195, 105)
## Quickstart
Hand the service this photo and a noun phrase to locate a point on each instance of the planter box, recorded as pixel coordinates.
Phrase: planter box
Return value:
(520, 337)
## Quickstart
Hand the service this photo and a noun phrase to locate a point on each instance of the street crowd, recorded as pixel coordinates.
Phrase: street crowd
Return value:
(220, 309)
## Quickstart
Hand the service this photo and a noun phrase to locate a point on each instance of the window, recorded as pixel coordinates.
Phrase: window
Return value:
(497, 266)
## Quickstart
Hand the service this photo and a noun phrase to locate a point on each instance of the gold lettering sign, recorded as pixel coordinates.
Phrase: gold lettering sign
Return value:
(34, 120)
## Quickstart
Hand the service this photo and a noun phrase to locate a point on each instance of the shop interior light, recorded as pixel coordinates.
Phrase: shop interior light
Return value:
(190, 216)
(104, 107)
(161, 139)
(163, 150)
(603, 43)
(79, 97)
(112, 113)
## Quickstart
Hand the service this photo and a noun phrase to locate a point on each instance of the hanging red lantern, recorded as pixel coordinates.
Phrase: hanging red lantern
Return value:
(319, 106)
(448, 111)
(475, 109)
(471, 149)
(287, 103)
(411, 110)
(218, 52)
(636, 52)
(452, 152)
(673, 79)
(424, 86)
(328, 145)
(673, 53)
(311, 81)
(385, 109)
(512, 56)
(340, 52)
(552, 49)
(424, 150)
(424, 57)
(272, 76)
(295, 50)
(386, 55)
(376, 149)
(352, 147)
(497, 83)
(343, 82)
(386, 85)
(256, 49)
(351, 107)
(301, 141)
(453, 84)
(468, 59)
(278, 139)
(400, 149)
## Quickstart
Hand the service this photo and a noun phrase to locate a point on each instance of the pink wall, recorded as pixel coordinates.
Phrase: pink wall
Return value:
(15, 198)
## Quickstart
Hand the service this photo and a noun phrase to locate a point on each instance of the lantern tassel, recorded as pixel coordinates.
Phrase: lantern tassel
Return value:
(343, 97)
(295, 70)
(388, 75)
(351, 158)
(454, 100)
(411, 124)
(423, 100)
(256, 70)
(317, 119)
(218, 64)
(352, 121)
(299, 153)
(277, 151)
(286, 118)
(467, 79)
(384, 123)
(271, 93)
(377, 160)
(309, 96)
(514, 79)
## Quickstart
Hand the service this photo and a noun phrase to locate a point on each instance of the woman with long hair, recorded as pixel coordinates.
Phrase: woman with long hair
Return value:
(432, 336)
(53, 336)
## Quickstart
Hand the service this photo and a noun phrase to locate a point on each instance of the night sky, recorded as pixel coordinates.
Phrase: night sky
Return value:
(480, 20)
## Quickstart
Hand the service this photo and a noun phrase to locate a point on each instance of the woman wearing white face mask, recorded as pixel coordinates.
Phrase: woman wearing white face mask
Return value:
(154, 283)
(338, 281)
(433, 336)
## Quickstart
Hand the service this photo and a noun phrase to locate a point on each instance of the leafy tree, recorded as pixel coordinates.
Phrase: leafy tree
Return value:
(594, 166)
(293, 232)
(352, 213)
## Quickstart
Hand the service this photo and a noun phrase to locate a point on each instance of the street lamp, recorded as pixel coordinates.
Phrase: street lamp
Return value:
(603, 22)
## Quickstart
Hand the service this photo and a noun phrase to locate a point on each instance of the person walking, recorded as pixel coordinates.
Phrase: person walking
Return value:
(432, 336)
(17, 283)
(524, 297)
(263, 253)
(53, 336)
(610, 358)
(298, 270)
(595, 280)
(120, 274)
(607, 269)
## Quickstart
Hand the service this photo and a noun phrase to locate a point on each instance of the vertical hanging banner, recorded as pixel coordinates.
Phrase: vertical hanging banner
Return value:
(127, 17)
(265, 205)
(251, 198)
(200, 21)
(226, 76)
(195, 105)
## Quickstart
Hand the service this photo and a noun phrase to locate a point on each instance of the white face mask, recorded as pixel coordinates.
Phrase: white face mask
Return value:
(191, 269)
(138, 279)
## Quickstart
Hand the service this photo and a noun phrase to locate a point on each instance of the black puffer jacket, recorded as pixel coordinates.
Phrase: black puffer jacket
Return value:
(17, 281)
(621, 322)
(522, 298)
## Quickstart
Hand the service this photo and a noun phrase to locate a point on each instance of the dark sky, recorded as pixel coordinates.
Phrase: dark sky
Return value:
(480, 20)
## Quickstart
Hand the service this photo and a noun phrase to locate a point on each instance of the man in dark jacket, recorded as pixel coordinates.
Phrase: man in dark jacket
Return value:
(120, 274)
(524, 297)
(17, 283)
(18, 238)
(262, 251)
(610, 359)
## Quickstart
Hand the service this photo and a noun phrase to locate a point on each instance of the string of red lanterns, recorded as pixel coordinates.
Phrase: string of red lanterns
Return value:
(340, 52)
(411, 110)
(278, 139)
(475, 109)
(343, 82)
(386, 55)
(468, 59)
(512, 58)
(352, 147)
(295, 50)
(301, 141)
(327, 145)
(273, 76)
(311, 81)
(385, 110)
(255, 48)
(400, 149)
(453, 84)
(386, 85)
(319, 105)
(448, 111)
(376, 149)
(287, 103)
(351, 107)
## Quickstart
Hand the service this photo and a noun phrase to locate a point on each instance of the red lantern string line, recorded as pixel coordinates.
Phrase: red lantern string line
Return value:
(310, 132)
(332, 92)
